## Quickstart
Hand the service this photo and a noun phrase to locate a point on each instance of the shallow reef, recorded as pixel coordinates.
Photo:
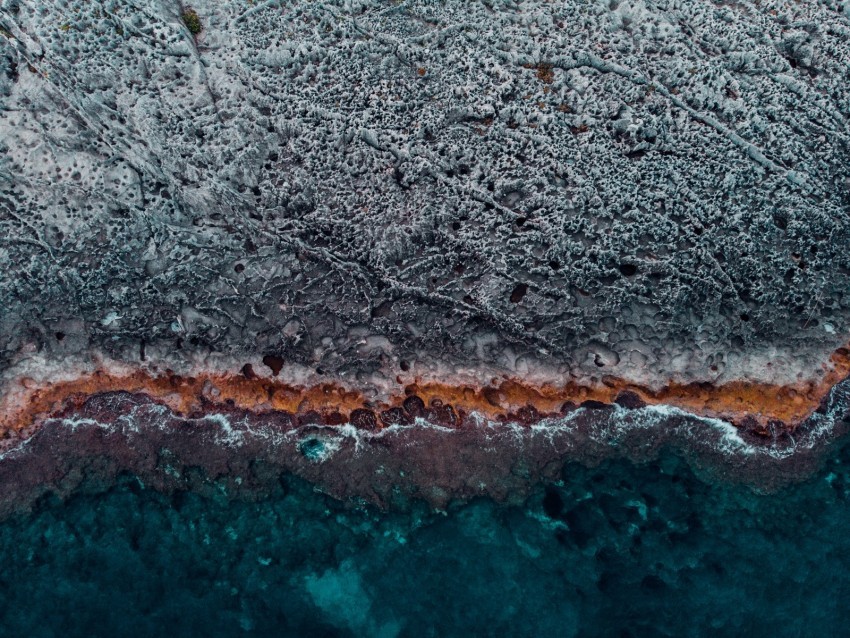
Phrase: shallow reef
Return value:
(416, 452)
(619, 549)
(121, 518)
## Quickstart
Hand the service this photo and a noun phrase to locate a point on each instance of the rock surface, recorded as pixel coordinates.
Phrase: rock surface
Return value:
(648, 189)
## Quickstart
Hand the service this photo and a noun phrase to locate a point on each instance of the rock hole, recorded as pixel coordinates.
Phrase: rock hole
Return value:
(518, 293)
(274, 362)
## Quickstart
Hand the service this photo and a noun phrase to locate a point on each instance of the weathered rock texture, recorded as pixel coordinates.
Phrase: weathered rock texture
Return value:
(650, 189)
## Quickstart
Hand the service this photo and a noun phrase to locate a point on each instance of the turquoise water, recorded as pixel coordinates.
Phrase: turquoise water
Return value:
(616, 550)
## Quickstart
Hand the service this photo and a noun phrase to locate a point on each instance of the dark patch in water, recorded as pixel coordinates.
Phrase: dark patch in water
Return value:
(619, 549)
(128, 520)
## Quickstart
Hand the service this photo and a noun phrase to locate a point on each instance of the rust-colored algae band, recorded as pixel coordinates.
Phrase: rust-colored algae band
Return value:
(505, 398)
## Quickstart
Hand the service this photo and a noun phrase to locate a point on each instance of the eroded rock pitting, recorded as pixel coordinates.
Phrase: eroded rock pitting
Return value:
(638, 190)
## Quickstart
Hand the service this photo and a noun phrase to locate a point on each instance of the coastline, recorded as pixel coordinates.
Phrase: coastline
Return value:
(752, 405)
(424, 458)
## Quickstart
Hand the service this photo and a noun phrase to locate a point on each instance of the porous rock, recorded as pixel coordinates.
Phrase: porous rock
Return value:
(348, 184)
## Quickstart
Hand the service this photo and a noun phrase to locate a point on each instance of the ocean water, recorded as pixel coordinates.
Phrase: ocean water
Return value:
(620, 549)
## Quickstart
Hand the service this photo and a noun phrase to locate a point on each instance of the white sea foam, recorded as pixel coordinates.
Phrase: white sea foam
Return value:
(722, 435)
(361, 437)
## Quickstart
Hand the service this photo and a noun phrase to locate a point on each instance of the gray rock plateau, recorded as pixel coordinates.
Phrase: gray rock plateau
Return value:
(654, 187)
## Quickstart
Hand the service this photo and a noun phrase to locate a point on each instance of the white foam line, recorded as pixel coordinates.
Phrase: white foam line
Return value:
(17, 449)
(361, 437)
(619, 420)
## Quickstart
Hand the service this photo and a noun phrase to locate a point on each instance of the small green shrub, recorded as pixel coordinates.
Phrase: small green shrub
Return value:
(192, 21)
